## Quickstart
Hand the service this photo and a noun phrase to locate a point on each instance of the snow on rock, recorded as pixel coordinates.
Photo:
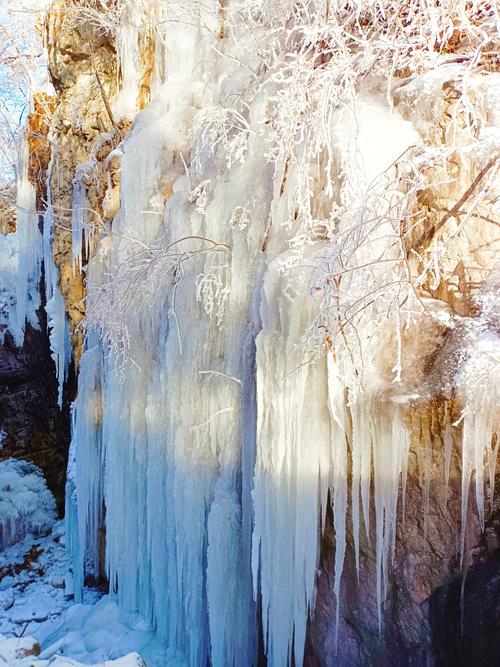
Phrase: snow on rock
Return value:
(93, 632)
(26, 504)
(19, 650)
(24, 652)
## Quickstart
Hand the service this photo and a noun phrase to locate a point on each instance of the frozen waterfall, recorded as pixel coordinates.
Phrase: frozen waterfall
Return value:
(221, 405)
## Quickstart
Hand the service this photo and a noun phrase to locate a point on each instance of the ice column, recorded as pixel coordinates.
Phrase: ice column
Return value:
(294, 463)
(30, 249)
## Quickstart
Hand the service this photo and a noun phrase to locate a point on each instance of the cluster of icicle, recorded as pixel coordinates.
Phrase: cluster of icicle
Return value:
(29, 245)
(204, 439)
(34, 246)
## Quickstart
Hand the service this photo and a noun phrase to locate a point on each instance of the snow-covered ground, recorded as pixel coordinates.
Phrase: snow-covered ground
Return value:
(39, 622)
(24, 650)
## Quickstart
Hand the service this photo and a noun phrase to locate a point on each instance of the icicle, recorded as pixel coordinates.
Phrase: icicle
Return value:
(129, 57)
(57, 323)
(482, 444)
(59, 339)
(82, 228)
(226, 604)
(84, 486)
(427, 438)
(339, 444)
(390, 453)
(469, 432)
(492, 464)
(448, 447)
(9, 257)
(293, 466)
(74, 576)
(78, 222)
(478, 382)
(380, 471)
(355, 481)
(361, 468)
(30, 250)
(478, 431)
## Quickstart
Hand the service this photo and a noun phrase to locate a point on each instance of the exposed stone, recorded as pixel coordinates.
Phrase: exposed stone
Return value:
(35, 429)
(465, 612)
(38, 146)
(422, 586)
(454, 184)
(7, 209)
(82, 66)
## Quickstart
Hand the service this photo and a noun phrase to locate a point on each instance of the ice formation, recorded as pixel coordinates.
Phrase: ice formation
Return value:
(57, 322)
(299, 447)
(23, 253)
(220, 403)
(29, 242)
(82, 230)
(26, 505)
(479, 383)
(9, 259)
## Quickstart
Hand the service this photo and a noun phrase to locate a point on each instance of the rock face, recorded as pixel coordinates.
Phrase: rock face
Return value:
(83, 71)
(82, 67)
(36, 430)
(464, 614)
(423, 608)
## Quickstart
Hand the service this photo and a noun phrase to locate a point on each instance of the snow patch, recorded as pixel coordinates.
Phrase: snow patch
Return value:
(23, 652)
(40, 624)
(26, 505)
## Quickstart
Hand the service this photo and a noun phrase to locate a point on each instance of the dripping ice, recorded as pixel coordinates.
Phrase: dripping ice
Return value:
(57, 323)
(29, 244)
(25, 252)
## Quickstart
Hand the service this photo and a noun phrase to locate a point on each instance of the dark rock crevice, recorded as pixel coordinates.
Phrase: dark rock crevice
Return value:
(465, 612)
(36, 430)
(424, 610)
